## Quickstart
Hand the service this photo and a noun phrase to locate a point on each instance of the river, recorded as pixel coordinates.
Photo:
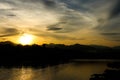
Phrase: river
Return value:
(76, 70)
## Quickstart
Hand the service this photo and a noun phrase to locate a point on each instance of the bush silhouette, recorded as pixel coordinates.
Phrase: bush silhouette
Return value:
(113, 73)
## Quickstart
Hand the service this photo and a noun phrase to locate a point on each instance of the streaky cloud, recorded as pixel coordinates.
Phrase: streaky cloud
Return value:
(5, 32)
(11, 15)
(54, 28)
(116, 10)
(49, 3)
(117, 40)
(111, 34)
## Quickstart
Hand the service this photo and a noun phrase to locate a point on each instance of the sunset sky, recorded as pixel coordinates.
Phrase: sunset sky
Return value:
(61, 21)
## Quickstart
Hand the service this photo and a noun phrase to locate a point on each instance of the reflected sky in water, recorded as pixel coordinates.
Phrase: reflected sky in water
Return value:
(72, 71)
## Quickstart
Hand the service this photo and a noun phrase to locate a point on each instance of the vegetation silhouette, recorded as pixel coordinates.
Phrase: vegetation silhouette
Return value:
(113, 73)
(15, 55)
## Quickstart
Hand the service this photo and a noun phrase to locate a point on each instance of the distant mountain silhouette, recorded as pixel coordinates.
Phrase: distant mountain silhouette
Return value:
(51, 54)
(117, 47)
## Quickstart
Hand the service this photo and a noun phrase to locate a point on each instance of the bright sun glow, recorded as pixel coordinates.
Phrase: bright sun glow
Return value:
(26, 39)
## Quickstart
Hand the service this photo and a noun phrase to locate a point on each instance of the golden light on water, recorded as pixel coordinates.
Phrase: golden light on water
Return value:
(23, 74)
(26, 39)
(26, 74)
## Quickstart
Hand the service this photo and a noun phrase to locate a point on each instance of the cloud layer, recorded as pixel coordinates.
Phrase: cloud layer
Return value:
(78, 19)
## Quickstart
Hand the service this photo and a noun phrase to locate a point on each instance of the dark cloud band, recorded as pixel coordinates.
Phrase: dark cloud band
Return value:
(5, 32)
(116, 10)
(111, 34)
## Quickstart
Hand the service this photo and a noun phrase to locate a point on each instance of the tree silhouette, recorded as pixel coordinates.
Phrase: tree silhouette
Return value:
(51, 54)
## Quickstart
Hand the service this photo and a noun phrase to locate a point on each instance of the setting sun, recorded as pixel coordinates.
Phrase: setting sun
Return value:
(26, 39)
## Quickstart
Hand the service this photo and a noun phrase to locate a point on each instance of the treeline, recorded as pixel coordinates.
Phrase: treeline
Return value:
(52, 53)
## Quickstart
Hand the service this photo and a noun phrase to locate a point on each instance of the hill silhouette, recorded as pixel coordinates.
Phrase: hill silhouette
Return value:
(52, 54)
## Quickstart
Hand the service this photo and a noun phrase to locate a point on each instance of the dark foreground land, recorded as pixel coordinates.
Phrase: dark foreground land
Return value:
(52, 54)
(112, 73)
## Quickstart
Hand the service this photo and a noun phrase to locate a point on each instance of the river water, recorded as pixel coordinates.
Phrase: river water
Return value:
(77, 70)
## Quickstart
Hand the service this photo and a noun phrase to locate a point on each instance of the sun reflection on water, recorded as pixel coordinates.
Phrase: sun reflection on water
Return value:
(71, 71)
(23, 74)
